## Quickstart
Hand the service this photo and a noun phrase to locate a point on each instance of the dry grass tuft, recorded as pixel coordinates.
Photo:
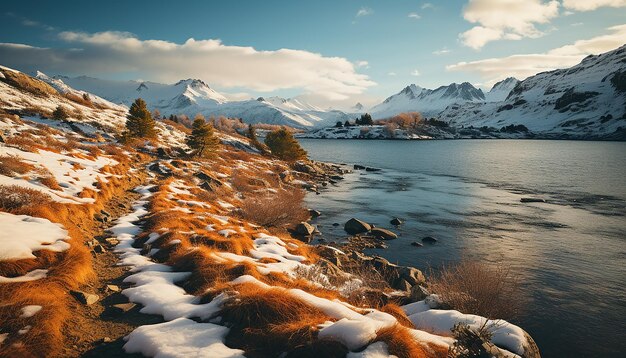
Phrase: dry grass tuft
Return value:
(401, 343)
(281, 209)
(50, 182)
(11, 165)
(476, 287)
(14, 197)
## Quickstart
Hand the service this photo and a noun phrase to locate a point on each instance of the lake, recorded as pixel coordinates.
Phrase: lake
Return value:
(570, 252)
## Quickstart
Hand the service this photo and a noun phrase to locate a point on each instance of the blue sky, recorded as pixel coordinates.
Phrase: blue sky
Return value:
(387, 44)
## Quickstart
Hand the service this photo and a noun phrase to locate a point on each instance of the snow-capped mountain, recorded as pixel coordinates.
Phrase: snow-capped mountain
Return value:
(193, 96)
(587, 100)
(429, 102)
(501, 90)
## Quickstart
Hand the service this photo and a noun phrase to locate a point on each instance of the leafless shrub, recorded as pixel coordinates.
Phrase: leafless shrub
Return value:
(10, 165)
(13, 197)
(281, 209)
(476, 287)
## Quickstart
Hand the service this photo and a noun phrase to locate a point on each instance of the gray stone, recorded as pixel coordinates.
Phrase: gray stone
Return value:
(402, 285)
(113, 288)
(429, 239)
(314, 213)
(532, 200)
(99, 249)
(396, 222)
(383, 234)
(418, 293)
(356, 226)
(305, 229)
(412, 275)
(85, 297)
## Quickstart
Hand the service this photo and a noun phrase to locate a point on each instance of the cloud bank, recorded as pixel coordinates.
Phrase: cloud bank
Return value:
(522, 66)
(113, 52)
(588, 5)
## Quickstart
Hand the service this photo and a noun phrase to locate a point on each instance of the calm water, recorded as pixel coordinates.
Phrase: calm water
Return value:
(570, 251)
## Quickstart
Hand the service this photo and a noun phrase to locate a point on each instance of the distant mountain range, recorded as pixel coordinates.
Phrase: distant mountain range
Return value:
(585, 100)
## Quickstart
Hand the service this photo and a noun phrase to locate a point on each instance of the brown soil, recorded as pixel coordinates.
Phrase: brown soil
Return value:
(98, 330)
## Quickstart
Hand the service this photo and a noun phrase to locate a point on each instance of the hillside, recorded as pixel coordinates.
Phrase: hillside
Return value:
(111, 249)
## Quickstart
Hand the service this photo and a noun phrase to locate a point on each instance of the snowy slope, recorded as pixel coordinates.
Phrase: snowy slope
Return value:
(579, 102)
(191, 96)
(429, 102)
(500, 91)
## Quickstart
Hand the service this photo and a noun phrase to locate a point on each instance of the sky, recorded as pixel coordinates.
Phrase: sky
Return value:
(332, 53)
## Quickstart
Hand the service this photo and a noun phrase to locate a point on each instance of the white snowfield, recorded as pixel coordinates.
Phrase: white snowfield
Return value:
(73, 174)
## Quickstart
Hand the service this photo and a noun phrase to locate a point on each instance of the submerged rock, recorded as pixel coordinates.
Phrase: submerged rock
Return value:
(314, 213)
(370, 169)
(429, 239)
(358, 167)
(383, 234)
(417, 244)
(532, 200)
(356, 226)
(396, 222)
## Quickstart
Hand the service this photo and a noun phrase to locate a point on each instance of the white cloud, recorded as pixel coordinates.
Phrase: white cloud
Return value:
(362, 64)
(427, 5)
(210, 60)
(392, 74)
(364, 11)
(414, 15)
(505, 19)
(588, 5)
(415, 73)
(522, 66)
(443, 51)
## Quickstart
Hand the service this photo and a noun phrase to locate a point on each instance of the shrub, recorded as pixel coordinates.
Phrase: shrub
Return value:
(254, 141)
(475, 287)
(83, 100)
(202, 139)
(13, 197)
(283, 145)
(390, 129)
(139, 121)
(280, 209)
(27, 83)
(60, 113)
(10, 165)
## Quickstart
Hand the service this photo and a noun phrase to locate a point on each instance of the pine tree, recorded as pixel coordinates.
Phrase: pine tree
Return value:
(202, 138)
(338, 124)
(60, 113)
(347, 124)
(139, 121)
(254, 141)
(365, 120)
(283, 145)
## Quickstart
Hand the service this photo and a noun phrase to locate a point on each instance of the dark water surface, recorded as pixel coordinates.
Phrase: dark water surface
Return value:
(570, 252)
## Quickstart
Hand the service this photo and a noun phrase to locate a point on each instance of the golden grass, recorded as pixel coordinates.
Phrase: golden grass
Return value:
(401, 343)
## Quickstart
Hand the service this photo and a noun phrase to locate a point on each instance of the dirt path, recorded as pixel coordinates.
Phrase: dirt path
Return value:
(97, 330)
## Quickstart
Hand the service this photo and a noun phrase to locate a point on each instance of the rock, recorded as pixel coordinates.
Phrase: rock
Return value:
(162, 153)
(411, 275)
(99, 249)
(113, 288)
(123, 307)
(207, 178)
(418, 293)
(107, 340)
(532, 200)
(206, 186)
(380, 245)
(402, 285)
(330, 269)
(429, 239)
(370, 169)
(303, 167)
(112, 241)
(314, 213)
(358, 167)
(356, 226)
(101, 218)
(380, 264)
(85, 297)
(336, 177)
(383, 234)
(336, 224)
(286, 176)
(417, 244)
(305, 229)
(396, 222)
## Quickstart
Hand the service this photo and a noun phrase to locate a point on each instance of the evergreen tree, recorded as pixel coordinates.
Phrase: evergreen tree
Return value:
(254, 140)
(60, 113)
(366, 120)
(338, 124)
(139, 121)
(347, 124)
(202, 138)
(283, 145)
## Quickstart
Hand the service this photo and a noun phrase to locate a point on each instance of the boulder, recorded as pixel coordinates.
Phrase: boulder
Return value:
(314, 213)
(358, 167)
(85, 297)
(123, 307)
(396, 221)
(402, 285)
(336, 177)
(417, 244)
(207, 178)
(356, 226)
(383, 234)
(305, 229)
(113, 288)
(418, 293)
(303, 167)
(286, 176)
(429, 239)
(411, 275)
(370, 169)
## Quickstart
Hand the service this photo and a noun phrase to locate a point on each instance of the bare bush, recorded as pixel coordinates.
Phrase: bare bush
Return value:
(281, 209)
(476, 287)
(13, 197)
(10, 165)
